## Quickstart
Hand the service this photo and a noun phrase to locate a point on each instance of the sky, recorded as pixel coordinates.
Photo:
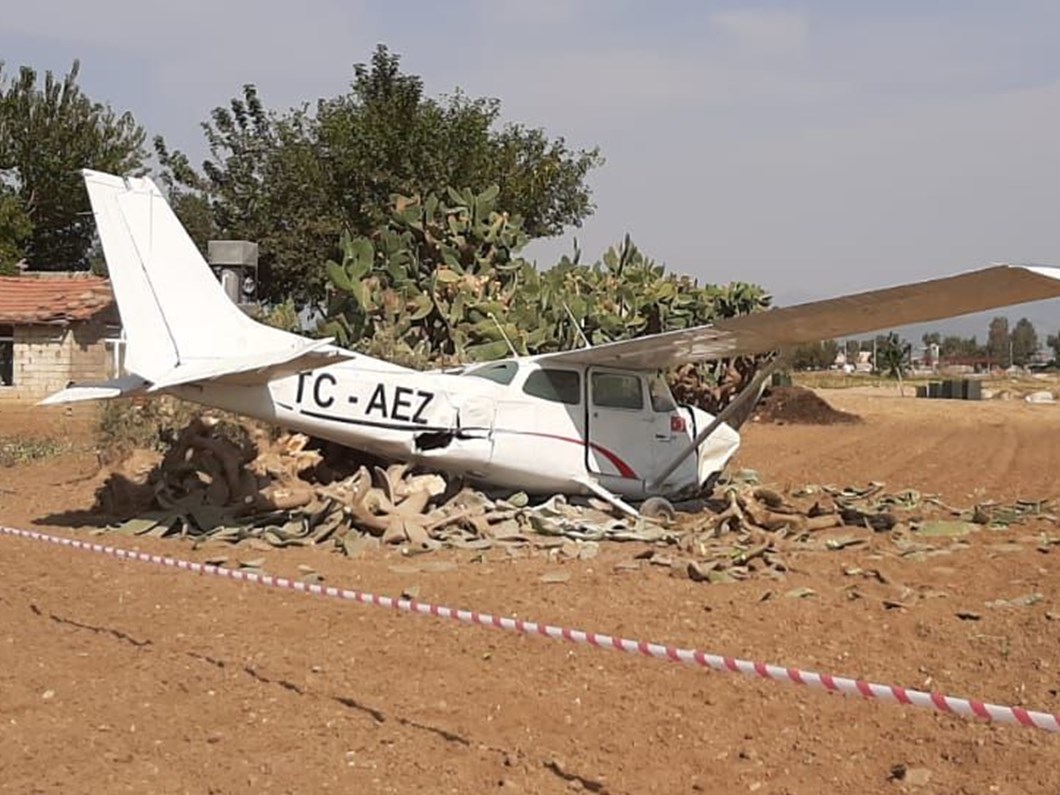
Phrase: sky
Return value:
(815, 148)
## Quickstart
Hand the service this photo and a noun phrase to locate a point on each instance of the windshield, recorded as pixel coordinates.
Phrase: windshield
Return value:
(498, 372)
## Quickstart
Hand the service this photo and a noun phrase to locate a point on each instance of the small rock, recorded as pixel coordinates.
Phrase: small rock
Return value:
(700, 572)
(968, 615)
(48, 695)
(917, 776)
(1019, 601)
(951, 529)
(555, 577)
(913, 776)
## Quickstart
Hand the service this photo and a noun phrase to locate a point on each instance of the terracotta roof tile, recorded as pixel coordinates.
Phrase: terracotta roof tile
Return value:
(52, 299)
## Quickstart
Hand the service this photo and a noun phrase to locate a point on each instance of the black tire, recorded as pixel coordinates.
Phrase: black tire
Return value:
(658, 508)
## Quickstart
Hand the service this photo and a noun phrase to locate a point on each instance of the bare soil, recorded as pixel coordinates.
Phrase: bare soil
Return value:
(117, 677)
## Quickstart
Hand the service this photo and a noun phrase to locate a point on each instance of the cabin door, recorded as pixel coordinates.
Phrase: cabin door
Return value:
(621, 424)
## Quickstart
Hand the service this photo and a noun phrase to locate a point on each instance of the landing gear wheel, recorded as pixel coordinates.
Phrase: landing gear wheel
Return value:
(658, 508)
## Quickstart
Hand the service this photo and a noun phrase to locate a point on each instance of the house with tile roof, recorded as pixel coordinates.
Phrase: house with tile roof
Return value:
(54, 329)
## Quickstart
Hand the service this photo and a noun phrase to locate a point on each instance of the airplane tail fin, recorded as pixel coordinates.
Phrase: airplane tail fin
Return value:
(179, 324)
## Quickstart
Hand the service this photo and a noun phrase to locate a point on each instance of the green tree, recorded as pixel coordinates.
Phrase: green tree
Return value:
(15, 229)
(997, 342)
(815, 355)
(957, 347)
(1024, 342)
(1053, 341)
(893, 355)
(293, 181)
(48, 132)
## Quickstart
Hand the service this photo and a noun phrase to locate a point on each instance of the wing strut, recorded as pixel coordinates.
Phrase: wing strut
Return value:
(614, 499)
(752, 389)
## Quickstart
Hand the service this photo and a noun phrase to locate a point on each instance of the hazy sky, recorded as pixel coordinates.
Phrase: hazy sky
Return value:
(814, 147)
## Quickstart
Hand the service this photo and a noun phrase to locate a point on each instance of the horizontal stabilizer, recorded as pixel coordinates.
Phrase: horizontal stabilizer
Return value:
(125, 386)
(253, 368)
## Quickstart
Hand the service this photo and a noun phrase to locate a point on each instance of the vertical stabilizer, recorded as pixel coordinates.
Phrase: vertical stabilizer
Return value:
(151, 347)
(174, 311)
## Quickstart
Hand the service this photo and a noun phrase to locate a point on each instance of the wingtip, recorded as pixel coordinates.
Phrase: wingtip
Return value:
(1049, 271)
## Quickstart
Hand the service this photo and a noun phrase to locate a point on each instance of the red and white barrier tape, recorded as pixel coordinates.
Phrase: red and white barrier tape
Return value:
(962, 707)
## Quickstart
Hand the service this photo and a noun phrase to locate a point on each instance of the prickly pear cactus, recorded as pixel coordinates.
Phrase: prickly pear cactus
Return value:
(443, 283)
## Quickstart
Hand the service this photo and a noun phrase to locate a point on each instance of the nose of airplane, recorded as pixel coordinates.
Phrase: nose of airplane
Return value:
(716, 450)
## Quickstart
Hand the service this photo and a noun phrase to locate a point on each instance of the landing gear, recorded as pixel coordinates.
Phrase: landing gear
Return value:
(658, 508)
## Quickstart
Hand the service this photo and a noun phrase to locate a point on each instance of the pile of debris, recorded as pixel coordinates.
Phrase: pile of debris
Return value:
(797, 405)
(229, 483)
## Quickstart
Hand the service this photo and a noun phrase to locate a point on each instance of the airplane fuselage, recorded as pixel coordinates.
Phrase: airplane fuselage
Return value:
(511, 424)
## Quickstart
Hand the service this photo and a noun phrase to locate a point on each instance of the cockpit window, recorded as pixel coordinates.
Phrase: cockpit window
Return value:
(498, 372)
(559, 386)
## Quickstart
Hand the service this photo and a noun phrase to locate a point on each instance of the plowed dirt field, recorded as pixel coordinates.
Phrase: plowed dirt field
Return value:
(120, 677)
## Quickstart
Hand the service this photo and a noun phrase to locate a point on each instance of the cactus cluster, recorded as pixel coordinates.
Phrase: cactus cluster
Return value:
(443, 283)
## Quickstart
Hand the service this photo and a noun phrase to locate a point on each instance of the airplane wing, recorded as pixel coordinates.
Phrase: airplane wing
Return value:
(975, 291)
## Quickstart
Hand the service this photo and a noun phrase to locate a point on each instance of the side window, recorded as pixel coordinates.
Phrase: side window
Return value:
(501, 373)
(617, 391)
(7, 355)
(559, 386)
(662, 402)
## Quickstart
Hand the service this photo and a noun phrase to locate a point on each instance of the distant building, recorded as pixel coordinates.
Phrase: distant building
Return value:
(55, 329)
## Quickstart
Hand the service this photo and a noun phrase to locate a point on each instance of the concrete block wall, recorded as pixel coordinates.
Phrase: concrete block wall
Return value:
(47, 358)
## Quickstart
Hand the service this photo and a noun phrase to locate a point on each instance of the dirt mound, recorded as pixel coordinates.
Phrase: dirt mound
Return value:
(796, 405)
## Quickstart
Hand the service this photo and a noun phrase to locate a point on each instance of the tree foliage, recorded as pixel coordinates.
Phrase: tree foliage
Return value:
(293, 181)
(997, 341)
(893, 355)
(442, 283)
(48, 132)
(954, 346)
(15, 229)
(1024, 342)
(815, 355)
(1053, 341)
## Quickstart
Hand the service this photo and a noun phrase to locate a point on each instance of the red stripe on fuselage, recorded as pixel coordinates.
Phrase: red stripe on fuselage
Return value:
(624, 469)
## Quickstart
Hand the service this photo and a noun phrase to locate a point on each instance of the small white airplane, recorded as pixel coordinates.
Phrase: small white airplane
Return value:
(598, 420)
